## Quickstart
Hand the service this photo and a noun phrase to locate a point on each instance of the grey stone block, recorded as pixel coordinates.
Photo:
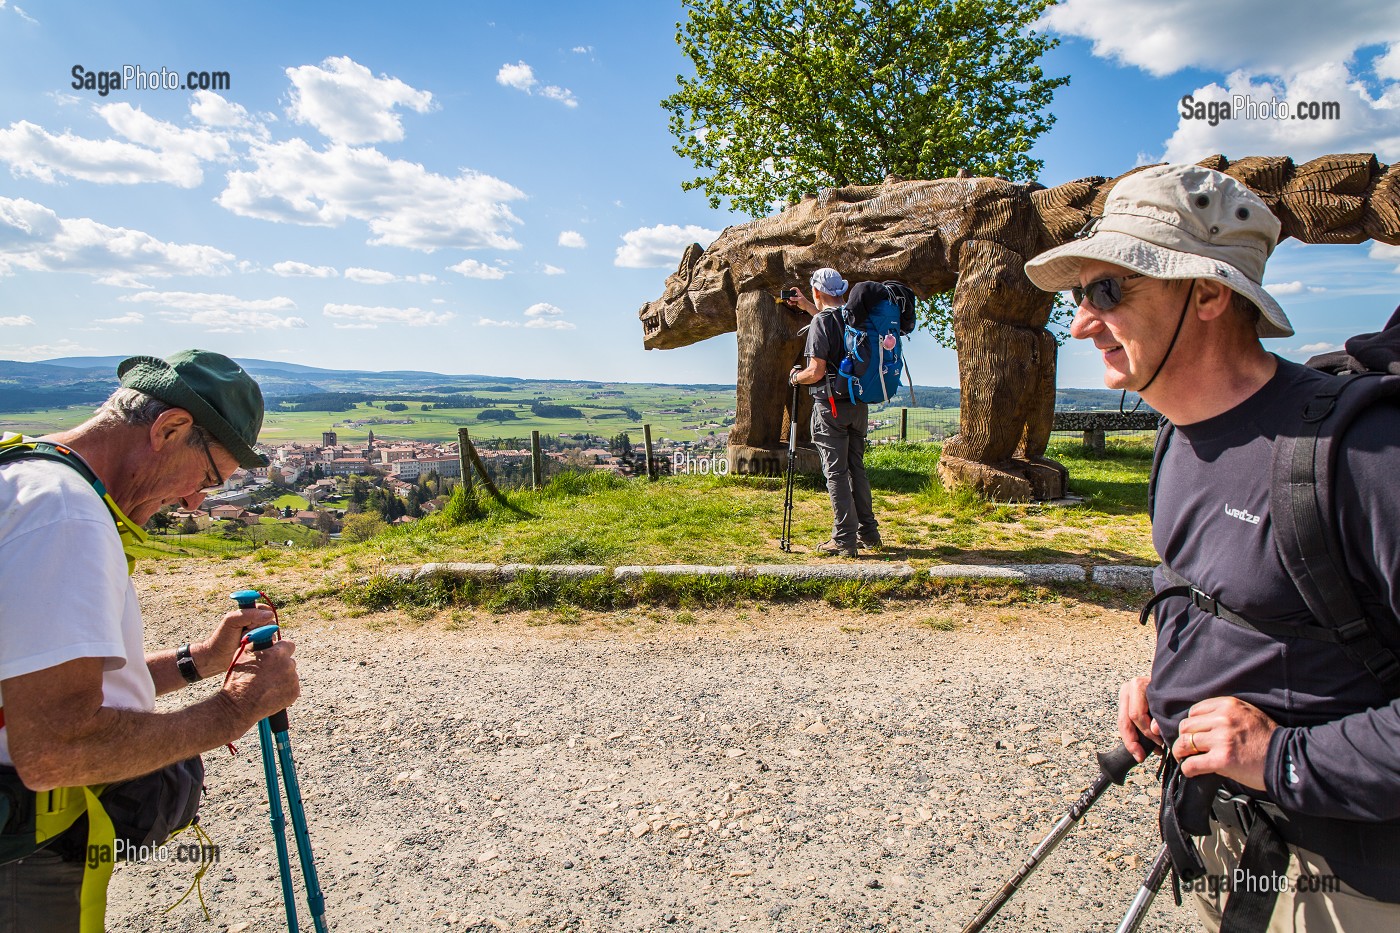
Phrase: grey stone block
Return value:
(676, 570)
(834, 571)
(456, 570)
(1122, 578)
(568, 571)
(1032, 573)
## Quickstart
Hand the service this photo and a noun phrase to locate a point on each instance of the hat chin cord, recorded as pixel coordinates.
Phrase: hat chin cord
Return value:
(1165, 356)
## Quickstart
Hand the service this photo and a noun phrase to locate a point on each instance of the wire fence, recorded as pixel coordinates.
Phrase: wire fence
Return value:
(892, 425)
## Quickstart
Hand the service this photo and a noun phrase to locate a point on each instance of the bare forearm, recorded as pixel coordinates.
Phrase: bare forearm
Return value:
(166, 673)
(118, 744)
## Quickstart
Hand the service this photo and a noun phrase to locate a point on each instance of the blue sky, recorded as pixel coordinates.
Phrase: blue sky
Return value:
(490, 187)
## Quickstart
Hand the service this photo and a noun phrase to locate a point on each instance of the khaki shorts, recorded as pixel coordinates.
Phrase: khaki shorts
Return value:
(1315, 900)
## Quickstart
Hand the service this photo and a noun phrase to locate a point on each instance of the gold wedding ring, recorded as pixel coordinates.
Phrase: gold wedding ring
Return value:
(1191, 737)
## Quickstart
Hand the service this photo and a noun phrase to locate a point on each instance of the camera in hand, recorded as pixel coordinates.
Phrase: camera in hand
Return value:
(787, 293)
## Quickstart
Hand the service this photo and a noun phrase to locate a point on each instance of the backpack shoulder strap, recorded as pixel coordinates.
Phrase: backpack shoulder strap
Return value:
(1159, 450)
(1303, 509)
(19, 449)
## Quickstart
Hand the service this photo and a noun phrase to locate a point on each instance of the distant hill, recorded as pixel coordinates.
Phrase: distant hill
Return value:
(87, 380)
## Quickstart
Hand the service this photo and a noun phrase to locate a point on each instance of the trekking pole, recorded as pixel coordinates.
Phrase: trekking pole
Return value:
(273, 730)
(1137, 911)
(1113, 769)
(785, 544)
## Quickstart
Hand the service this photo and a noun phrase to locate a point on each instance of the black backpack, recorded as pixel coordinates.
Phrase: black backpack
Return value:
(865, 296)
(1301, 502)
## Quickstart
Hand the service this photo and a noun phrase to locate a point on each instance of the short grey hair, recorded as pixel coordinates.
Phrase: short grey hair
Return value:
(134, 408)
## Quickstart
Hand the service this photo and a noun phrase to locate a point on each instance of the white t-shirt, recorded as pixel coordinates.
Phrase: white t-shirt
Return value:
(64, 590)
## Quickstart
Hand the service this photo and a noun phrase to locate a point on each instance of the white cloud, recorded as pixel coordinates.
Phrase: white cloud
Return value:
(1292, 54)
(403, 203)
(549, 323)
(217, 321)
(519, 76)
(659, 247)
(290, 269)
(213, 110)
(348, 104)
(1385, 253)
(572, 239)
(210, 301)
(221, 314)
(33, 151)
(403, 317)
(475, 269)
(22, 15)
(1366, 124)
(552, 270)
(561, 94)
(1318, 348)
(22, 320)
(35, 238)
(1387, 66)
(522, 77)
(1285, 288)
(543, 309)
(379, 277)
(131, 317)
(583, 49)
(45, 351)
(1261, 36)
(488, 322)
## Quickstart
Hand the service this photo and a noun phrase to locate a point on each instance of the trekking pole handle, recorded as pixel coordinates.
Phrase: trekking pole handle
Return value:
(246, 599)
(260, 639)
(1116, 764)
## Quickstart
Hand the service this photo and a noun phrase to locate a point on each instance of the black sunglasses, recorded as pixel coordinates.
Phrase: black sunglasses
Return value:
(1104, 294)
(213, 467)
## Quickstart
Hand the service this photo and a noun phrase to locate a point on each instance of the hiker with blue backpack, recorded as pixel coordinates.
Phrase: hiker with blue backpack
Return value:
(1274, 691)
(854, 357)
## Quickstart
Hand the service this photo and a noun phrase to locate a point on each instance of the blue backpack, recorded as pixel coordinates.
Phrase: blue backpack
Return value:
(877, 316)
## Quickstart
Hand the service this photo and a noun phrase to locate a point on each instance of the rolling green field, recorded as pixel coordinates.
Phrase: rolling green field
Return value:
(675, 412)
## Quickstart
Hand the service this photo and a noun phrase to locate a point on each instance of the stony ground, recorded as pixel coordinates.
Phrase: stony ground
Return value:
(789, 768)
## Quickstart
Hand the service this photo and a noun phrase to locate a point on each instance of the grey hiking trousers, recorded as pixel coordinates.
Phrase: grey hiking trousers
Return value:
(841, 443)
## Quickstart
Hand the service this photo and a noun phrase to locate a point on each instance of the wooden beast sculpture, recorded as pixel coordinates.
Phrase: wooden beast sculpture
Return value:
(971, 236)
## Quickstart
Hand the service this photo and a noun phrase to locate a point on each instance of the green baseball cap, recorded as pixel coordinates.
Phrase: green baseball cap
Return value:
(216, 391)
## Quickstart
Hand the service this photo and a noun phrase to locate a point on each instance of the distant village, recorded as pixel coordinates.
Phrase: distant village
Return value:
(411, 478)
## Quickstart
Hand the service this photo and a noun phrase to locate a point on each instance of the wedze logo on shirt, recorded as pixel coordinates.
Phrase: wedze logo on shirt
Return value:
(1242, 514)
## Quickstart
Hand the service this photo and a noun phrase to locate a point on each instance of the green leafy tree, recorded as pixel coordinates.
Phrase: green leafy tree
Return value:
(790, 96)
(362, 527)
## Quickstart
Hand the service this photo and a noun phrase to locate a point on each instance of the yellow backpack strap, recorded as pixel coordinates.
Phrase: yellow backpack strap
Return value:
(55, 811)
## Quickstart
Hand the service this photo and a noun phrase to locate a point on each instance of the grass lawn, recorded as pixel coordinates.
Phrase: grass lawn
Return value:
(604, 519)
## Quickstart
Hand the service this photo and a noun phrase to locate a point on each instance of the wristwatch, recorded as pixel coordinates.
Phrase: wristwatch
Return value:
(185, 662)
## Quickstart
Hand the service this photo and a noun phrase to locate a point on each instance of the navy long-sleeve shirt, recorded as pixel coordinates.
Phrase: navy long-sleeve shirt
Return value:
(1337, 753)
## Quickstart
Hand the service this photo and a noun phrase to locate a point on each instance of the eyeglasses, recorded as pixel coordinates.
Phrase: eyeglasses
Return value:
(213, 467)
(1103, 294)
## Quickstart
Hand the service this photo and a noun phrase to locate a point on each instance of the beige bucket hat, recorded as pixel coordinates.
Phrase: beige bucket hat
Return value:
(1177, 222)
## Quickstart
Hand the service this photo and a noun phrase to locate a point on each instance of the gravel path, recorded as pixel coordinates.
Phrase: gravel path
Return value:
(796, 768)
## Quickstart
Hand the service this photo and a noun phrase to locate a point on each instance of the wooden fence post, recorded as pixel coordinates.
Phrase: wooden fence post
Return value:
(904, 425)
(536, 461)
(651, 464)
(464, 444)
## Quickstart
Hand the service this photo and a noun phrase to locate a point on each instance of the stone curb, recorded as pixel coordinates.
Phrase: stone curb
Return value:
(1118, 577)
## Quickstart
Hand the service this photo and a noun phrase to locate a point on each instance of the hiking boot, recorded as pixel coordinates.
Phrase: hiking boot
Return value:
(831, 547)
(870, 541)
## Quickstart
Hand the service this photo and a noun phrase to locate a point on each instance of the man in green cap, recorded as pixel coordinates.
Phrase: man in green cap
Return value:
(76, 686)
